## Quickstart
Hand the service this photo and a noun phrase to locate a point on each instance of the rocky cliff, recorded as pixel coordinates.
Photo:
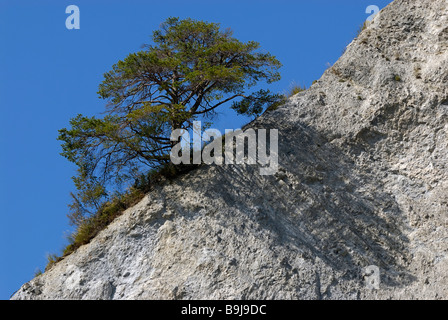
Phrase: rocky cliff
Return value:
(362, 180)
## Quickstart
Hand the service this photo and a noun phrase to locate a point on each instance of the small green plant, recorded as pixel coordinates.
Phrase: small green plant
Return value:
(51, 260)
(397, 78)
(295, 89)
(37, 272)
(362, 27)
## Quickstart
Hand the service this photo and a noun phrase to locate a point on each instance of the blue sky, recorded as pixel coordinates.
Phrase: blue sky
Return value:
(49, 74)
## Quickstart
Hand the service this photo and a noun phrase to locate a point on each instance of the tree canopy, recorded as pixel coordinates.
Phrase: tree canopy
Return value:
(190, 69)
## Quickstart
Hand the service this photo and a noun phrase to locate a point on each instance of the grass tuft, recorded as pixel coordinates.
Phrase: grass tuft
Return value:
(119, 202)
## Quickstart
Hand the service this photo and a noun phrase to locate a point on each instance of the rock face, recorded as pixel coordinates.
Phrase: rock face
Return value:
(362, 181)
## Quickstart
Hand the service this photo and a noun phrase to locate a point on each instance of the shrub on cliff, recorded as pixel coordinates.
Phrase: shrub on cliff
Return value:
(191, 69)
